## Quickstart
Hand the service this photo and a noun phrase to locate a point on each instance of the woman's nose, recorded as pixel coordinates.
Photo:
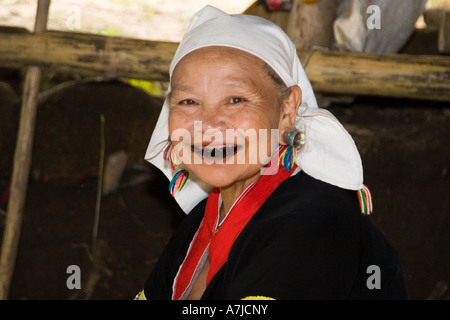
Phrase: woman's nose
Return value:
(212, 118)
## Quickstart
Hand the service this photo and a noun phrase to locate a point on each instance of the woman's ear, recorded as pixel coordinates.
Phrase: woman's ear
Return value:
(289, 108)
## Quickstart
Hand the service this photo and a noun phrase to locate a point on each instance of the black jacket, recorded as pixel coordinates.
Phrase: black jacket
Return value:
(307, 241)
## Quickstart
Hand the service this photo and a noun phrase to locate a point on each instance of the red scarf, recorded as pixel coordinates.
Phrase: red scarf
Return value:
(220, 240)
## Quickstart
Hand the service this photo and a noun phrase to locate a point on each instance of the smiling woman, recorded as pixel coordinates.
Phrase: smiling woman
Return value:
(280, 225)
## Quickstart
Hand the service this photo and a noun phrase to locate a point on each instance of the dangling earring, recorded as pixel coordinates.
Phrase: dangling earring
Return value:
(295, 140)
(169, 156)
(180, 178)
(365, 200)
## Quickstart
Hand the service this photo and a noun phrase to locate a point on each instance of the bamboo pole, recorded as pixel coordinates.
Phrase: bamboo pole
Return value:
(22, 162)
(87, 54)
(391, 75)
(346, 73)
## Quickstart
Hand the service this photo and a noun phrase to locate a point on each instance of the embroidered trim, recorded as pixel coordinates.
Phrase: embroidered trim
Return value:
(258, 298)
(140, 296)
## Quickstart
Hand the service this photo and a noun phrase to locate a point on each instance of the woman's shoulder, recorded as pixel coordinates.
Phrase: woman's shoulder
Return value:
(303, 197)
(303, 210)
(311, 240)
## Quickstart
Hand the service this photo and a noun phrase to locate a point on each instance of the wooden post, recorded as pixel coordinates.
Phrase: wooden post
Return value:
(311, 24)
(444, 33)
(22, 162)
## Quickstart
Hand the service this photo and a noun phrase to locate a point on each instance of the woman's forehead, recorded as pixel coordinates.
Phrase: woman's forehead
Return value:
(237, 66)
(220, 54)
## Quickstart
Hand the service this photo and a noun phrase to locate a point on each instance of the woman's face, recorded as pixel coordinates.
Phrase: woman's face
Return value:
(223, 109)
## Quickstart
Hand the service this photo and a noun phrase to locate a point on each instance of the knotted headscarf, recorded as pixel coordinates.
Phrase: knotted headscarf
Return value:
(329, 153)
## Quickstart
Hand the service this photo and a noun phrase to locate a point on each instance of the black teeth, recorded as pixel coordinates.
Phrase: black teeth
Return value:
(210, 153)
(216, 152)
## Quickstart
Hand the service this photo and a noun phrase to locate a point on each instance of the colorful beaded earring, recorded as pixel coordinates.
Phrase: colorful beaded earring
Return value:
(180, 178)
(295, 140)
(365, 200)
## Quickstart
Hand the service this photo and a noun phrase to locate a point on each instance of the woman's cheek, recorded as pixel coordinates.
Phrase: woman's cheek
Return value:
(178, 120)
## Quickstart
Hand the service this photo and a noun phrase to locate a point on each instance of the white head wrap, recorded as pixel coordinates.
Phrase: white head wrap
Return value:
(329, 153)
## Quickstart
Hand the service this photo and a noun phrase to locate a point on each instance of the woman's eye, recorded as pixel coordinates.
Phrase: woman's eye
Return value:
(235, 100)
(186, 102)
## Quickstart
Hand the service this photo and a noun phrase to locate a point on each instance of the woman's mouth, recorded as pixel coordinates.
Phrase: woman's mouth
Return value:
(217, 152)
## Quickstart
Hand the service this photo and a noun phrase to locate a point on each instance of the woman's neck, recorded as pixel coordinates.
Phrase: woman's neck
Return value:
(231, 193)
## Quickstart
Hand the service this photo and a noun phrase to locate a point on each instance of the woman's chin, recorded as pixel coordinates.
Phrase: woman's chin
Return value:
(223, 175)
